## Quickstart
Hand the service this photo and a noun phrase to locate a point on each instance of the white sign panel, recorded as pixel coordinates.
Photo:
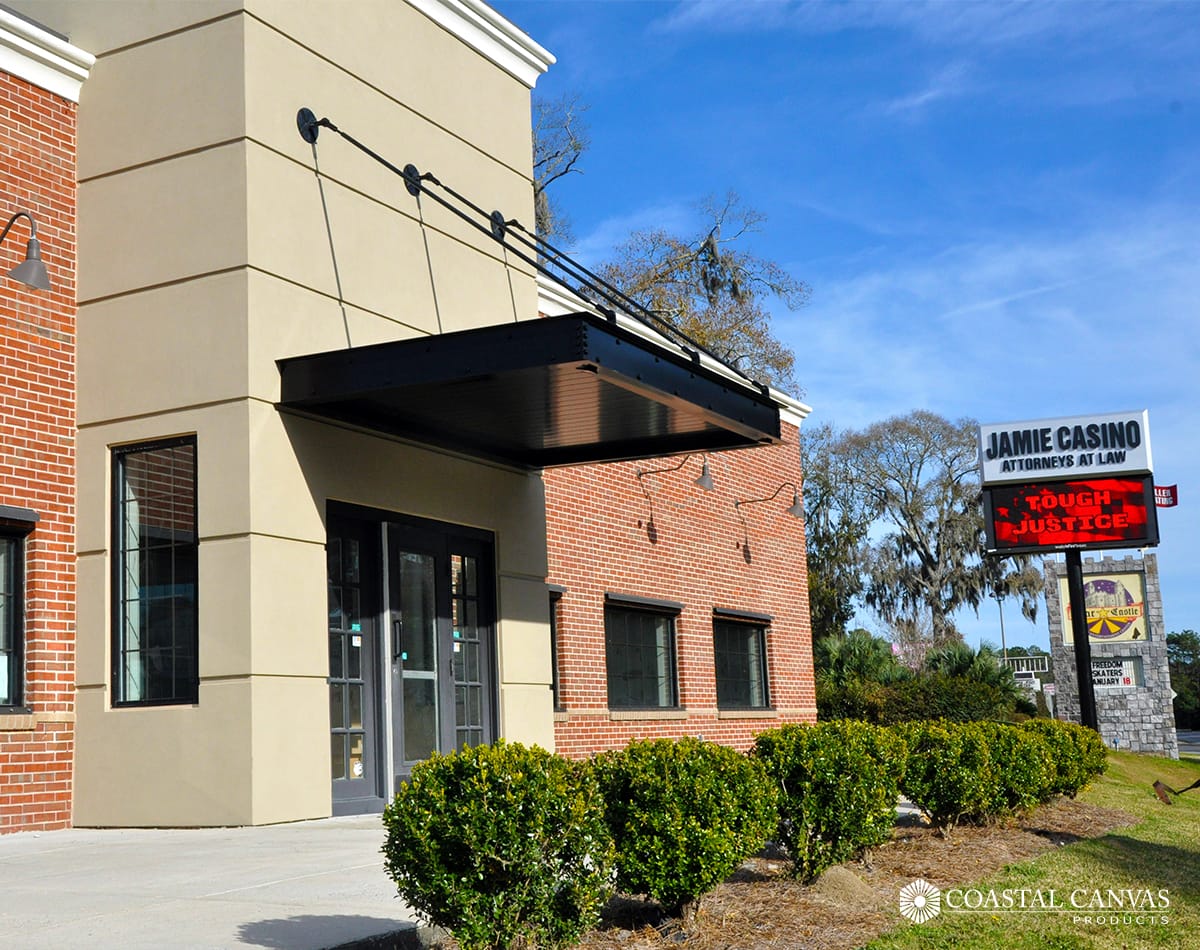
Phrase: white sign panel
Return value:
(1116, 673)
(1115, 443)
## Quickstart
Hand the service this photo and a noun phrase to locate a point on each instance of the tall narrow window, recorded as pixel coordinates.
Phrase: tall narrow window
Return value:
(12, 635)
(741, 658)
(154, 580)
(640, 649)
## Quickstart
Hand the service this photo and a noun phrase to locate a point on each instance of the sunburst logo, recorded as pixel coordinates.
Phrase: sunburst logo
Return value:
(920, 901)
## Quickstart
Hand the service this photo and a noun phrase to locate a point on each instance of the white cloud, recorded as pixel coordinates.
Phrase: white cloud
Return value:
(949, 82)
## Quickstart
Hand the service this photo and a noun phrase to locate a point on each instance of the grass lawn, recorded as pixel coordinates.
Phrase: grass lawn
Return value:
(1161, 851)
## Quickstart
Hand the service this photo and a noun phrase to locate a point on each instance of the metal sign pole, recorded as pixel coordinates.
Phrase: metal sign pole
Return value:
(1083, 648)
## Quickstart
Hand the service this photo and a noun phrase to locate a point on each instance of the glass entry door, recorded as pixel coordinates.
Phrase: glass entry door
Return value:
(440, 601)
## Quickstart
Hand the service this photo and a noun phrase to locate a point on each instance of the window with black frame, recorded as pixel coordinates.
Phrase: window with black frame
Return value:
(740, 651)
(155, 573)
(640, 657)
(12, 609)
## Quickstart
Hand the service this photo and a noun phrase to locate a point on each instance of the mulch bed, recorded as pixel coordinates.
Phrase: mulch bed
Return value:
(762, 908)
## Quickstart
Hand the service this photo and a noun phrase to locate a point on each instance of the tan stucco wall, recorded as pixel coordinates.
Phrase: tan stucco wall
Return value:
(205, 256)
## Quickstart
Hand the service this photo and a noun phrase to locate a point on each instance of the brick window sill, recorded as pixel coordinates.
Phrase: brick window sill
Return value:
(633, 715)
(28, 722)
(747, 714)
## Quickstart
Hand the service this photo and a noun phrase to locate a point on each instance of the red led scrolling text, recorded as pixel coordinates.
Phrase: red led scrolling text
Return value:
(1070, 513)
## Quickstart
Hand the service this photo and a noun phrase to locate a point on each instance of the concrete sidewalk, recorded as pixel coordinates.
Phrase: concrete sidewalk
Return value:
(302, 886)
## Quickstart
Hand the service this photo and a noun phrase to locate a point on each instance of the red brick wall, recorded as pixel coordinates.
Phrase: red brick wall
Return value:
(599, 538)
(37, 447)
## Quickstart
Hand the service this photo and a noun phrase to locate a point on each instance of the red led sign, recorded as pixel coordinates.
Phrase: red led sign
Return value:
(1055, 516)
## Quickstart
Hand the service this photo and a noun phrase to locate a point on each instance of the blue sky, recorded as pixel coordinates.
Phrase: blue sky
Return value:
(996, 205)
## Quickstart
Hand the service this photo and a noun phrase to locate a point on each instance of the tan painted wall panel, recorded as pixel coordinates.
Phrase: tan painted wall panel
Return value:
(224, 607)
(91, 620)
(525, 635)
(193, 100)
(165, 765)
(290, 749)
(111, 24)
(163, 349)
(289, 609)
(286, 320)
(527, 715)
(163, 222)
(390, 46)
(380, 255)
(300, 463)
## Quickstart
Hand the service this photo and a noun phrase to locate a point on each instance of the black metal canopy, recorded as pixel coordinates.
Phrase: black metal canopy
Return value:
(566, 390)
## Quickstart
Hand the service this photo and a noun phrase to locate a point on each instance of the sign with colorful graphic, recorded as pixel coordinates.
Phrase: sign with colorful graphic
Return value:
(1166, 496)
(1116, 607)
(1057, 516)
(1116, 443)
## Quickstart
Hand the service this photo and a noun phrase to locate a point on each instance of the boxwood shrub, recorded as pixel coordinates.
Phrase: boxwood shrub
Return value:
(1023, 769)
(949, 775)
(1078, 753)
(502, 845)
(683, 814)
(838, 783)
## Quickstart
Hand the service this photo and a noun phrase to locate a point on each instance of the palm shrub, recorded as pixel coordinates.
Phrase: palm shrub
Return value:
(949, 774)
(837, 782)
(683, 815)
(503, 845)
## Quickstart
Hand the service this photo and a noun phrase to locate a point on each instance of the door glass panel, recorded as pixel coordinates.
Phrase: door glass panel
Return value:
(418, 614)
(336, 667)
(356, 705)
(335, 607)
(337, 755)
(354, 655)
(337, 706)
(472, 665)
(460, 671)
(420, 719)
(350, 569)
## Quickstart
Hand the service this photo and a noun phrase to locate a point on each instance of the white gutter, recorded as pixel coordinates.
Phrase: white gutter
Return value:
(490, 35)
(36, 55)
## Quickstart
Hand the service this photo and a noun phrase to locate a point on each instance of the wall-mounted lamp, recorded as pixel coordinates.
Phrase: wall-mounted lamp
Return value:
(796, 510)
(31, 271)
(705, 480)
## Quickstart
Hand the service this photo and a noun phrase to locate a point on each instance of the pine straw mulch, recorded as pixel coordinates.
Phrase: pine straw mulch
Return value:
(762, 908)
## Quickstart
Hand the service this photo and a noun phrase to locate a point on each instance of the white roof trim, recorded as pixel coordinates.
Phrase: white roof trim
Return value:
(491, 35)
(38, 56)
(555, 300)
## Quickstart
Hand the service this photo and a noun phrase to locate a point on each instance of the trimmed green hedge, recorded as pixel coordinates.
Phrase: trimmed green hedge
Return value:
(983, 771)
(683, 815)
(502, 845)
(507, 846)
(837, 784)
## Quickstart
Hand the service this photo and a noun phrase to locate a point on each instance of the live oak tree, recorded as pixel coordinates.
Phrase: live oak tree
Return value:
(837, 518)
(709, 286)
(917, 477)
